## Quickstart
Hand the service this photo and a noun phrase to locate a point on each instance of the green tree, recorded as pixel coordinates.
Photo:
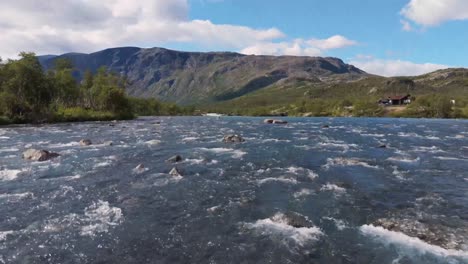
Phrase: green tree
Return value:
(25, 80)
(64, 84)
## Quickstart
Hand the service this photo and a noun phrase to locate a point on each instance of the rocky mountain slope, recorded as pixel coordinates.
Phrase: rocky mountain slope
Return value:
(195, 77)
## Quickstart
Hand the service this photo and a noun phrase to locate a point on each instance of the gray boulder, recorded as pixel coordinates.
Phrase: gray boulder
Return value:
(174, 159)
(280, 122)
(275, 121)
(85, 142)
(39, 155)
(140, 168)
(233, 139)
(175, 172)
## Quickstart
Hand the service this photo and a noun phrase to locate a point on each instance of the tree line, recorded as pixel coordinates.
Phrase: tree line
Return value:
(30, 94)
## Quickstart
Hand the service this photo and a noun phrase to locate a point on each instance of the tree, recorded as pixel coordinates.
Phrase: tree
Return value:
(108, 93)
(25, 80)
(64, 84)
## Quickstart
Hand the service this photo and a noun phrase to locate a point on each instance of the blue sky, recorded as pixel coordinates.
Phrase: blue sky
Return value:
(397, 37)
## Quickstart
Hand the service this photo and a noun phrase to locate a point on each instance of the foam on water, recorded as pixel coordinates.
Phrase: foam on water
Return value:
(9, 175)
(153, 142)
(410, 245)
(404, 159)
(299, 170)
(399, 174)
(450, 158)
(277, 226)
(235, 153)
(275, 140)
(16, 196)
(4, 234)
(333, 188)
(189, 139)
(432, 149)
(303, 193)
(100, 217)
(63, 145)
(340, 224)
(373, 135)
(2, 150)
(338, 144)
(343, 162)
(281, 179)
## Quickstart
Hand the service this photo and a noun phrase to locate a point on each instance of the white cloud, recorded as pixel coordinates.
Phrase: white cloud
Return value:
(334, 42)
(406, 26)
(395, 67)
(57, 26)
(299, 47)
(435, 12)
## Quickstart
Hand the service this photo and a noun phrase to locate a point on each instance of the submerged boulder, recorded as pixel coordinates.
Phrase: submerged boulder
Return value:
(175, 159)
(280, 122)
(140, 168)
(85, 142)
(39, 155)
(233, 139)
(275, 121)
(108, 143)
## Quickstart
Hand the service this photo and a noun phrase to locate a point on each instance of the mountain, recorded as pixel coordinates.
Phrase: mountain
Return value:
(196, 77)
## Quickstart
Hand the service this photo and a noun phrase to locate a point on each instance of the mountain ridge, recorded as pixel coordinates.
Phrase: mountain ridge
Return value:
(204, 77)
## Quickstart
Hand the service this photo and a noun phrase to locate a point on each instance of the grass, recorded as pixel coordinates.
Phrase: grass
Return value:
(78, 114)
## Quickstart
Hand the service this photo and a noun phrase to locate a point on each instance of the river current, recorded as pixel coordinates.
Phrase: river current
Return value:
(316, 190)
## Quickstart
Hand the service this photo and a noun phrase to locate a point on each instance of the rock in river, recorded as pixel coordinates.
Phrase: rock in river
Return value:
(85, 142)
(140, 168)
(39, 155)
(233, 139)
(175, 172)
(175, 159)
(280, 122)
(275, 121)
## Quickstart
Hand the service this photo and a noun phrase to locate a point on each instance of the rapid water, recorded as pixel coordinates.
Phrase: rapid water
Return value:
(295, 193)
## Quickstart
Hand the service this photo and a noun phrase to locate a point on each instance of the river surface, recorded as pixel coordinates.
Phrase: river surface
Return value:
(295, 193)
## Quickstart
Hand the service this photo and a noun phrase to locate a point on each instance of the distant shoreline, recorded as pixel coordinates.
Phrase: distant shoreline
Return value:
(7, 123)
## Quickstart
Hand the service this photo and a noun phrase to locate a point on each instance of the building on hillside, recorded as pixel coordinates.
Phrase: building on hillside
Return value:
(396, 100)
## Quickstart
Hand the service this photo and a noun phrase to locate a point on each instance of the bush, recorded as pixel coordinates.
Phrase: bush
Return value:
(75, 114)
(367, 109)
(430, 106)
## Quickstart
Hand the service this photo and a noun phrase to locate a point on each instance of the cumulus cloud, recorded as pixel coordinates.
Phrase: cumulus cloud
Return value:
(57, 26)
(391, 68)
(334, 42)
(435, 12)
(300, 47)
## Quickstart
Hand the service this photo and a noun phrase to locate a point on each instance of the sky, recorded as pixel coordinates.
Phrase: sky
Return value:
(389, 38)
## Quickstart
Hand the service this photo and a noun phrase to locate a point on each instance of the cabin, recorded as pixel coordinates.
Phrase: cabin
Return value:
(396, 100)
